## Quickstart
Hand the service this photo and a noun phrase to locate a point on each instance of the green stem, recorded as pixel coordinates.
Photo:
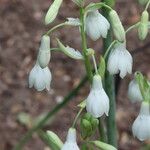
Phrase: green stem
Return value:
(110, 90)
(55, 27)
(147, 5)
(95, 64)
(84, 47)
(132, 27)
(28, 135)
(55, 49)
(76, 118)
(109, 48)
(103, 136)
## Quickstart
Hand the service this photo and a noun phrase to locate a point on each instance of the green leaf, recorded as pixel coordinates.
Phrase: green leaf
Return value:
(70, 51)
(102, 67)
(41, 117)
(102, 145)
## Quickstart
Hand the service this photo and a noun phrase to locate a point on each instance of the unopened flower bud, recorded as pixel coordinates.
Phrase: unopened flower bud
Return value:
(44, 52)
(88, 125)
(53, 11)
(117, 26)
(143, 26)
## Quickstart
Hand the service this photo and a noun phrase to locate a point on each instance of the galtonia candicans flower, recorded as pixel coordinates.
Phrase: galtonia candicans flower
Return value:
(120, 60)
(134, 93)
(97, 103)
(141, 126)
(71, 143)
(40, 78)
(96, 25)
(44, 52)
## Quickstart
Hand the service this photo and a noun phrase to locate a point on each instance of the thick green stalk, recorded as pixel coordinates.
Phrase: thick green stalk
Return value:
(101, 129)
(110, 90)
(28, 135)
(84, 47)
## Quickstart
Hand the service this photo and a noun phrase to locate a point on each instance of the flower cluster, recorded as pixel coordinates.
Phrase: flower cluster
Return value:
(116, 60)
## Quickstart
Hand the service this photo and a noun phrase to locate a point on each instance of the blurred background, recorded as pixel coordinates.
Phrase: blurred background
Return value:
(21, 27)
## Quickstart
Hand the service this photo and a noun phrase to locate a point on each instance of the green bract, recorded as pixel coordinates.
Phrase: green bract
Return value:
(53, 11)
(143, 26)
(70, 51)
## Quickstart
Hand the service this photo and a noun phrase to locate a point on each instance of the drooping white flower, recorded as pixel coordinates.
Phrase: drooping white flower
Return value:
(44, 52)
(97, 102)
(120, 60)
(96, 25)
(40, 78)
(141, 126)
(71, 143)
(134, 93)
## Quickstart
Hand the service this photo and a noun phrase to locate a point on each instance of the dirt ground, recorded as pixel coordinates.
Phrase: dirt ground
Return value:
(21, 27)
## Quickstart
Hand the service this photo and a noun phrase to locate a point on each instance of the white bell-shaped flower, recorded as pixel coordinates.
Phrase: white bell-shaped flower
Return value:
(71, 143)
(120, 60)
(134, 93)
(40, 78)
(141, 126)
(96, 25)
(97, 103)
